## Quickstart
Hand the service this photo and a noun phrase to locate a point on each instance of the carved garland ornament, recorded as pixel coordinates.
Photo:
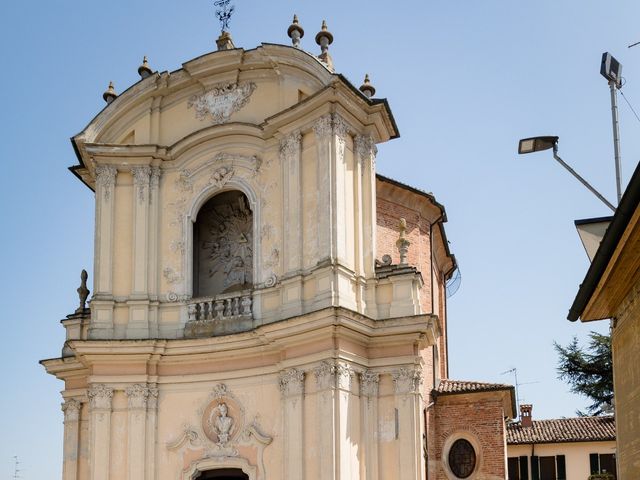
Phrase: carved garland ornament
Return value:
(222, 101)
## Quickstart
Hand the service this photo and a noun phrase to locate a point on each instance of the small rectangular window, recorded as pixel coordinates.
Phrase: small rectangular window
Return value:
(514, 468)
(547, 468)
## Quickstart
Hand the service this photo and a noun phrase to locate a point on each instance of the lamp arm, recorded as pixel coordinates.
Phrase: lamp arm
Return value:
(581, 180)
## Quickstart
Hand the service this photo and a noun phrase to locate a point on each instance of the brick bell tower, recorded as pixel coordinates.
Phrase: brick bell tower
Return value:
(264, 305)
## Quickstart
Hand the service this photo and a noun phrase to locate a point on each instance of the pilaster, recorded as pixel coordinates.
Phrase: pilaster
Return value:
(323, 130)
(100, 397)
(369, 391)
(151, 433)
(71, 408)
(102, 301)
(325, 375)
(407, 382)
(154, 257)
(137, 396)
(292, 388)
(139, 303)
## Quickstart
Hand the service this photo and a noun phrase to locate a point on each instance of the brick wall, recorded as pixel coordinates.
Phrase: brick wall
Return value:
(477, 417)
(388, 231)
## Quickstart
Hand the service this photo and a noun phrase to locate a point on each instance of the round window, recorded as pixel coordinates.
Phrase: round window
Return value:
(462, 458)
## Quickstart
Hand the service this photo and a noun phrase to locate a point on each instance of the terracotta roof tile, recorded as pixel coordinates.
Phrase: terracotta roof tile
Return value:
(461, 386)
(579, 429)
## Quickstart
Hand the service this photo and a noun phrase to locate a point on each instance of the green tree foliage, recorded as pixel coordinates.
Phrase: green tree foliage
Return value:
(588, 371)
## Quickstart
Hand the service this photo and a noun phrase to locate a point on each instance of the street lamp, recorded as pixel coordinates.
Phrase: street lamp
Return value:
(538, 144)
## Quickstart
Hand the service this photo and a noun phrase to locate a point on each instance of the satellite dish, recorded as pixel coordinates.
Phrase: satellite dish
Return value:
(453, 284)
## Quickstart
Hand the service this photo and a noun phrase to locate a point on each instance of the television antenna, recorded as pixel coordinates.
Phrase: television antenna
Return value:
(16, 470)
(517, 385)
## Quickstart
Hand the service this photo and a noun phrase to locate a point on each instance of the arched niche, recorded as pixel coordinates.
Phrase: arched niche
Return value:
(223, 474)
(223, 245)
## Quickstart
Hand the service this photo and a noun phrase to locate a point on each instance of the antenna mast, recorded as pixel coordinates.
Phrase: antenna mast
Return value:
(16, 470)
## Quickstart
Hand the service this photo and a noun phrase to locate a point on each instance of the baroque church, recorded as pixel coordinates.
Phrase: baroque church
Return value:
(264, 306)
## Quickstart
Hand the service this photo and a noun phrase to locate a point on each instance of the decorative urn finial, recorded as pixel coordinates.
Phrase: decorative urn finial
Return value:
(402, 243)
(144, 70)
(324, 38)
(295, 32)
(366, 88)
(110, 94)
(83, 291)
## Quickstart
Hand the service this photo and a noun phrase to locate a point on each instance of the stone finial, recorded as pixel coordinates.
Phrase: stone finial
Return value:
(295, 32)
(402, 243)
(324, 38)
(225, 42)
(366, 87)
(110, 94)
(144, 70)
(83, 291)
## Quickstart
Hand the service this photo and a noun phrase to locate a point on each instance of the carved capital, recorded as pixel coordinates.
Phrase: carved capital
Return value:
(366, 148)
(344, 375)
(156, 173)
(340, 126)
(290, 145)
(71, 409)
(369, 383)
(152, 399)
(137, 395)
(323, 127)
(292, 382)
(106, 179)
(325, 375)
(141, 179)
(100, 397)
(407, 380)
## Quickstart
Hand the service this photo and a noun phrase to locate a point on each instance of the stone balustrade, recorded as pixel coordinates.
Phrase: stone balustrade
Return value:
(230, 306)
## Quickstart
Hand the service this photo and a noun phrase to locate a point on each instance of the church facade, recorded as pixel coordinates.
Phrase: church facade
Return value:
(264, 304)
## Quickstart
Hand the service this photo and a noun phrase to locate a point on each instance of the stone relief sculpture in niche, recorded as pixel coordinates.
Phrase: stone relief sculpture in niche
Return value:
(223, 245)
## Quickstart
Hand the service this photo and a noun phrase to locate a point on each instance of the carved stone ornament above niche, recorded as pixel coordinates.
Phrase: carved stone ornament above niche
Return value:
(222, 101)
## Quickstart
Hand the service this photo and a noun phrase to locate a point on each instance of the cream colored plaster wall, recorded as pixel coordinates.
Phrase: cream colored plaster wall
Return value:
(576, 454)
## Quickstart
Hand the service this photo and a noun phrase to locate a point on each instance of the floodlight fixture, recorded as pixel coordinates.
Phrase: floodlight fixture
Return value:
(611, 69)
(536, 144)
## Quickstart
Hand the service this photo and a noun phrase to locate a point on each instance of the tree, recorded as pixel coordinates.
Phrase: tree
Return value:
(588, 371)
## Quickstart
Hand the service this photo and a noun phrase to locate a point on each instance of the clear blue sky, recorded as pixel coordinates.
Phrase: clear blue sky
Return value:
(465, 80)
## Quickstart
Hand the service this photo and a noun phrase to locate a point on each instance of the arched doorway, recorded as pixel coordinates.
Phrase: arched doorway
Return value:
(223, 474)
(223, 245)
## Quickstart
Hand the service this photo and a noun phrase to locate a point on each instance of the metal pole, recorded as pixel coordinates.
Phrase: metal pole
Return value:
(580, 179)
(616, 135)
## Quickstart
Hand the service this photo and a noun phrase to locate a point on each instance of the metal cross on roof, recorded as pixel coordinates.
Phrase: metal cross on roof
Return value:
(224, 13)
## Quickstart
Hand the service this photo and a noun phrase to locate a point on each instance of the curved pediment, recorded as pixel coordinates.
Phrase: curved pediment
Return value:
(257, 93)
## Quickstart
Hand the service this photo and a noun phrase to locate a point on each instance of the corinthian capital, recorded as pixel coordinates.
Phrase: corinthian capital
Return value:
(366, 148)
(141, 179)
(290, 145)
(323, 127)
(137, 395)
(100, 396)
(292, 382)
(106, 178)
(71, 409)
(407, 380)
(369, 383)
